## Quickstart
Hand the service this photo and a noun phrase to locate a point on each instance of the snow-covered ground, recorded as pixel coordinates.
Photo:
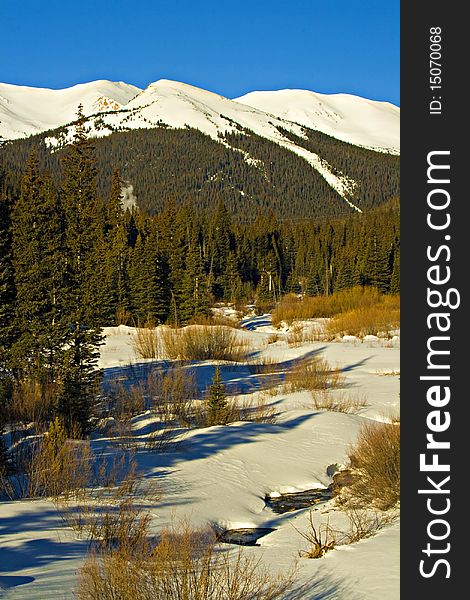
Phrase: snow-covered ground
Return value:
(221, 474)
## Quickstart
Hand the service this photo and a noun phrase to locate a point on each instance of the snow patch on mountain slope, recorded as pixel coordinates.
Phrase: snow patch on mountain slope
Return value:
(26, 110)
(179, 105)
(346, 117)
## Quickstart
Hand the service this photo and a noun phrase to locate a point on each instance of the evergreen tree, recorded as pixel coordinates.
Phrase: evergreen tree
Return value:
(7, 286)
(377, 270)
(117, 245)
(344, 278)
(194, 293)
(149, 281)
(83, 220)
(395, 278)
(39, 270)
(7, 307)
(217, 400)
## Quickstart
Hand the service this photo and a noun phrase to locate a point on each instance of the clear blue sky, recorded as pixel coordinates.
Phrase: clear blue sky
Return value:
(227, 47)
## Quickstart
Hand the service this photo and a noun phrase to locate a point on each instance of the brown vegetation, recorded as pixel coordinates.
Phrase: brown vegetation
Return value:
(375, 464)
(186, 563)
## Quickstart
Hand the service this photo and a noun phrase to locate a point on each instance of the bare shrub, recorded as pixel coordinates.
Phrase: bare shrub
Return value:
(341, 402)
(112, 508)
(215, 319)
(375, 465)
(204, 342)
(264, 365)
(48, 465)
(147, 342)
(260, 410)
(177, 388)
(163, 440)
(185, 563)
(127, 401)
(364, 523)
(213, 343)
(313, 374)
(321, 538)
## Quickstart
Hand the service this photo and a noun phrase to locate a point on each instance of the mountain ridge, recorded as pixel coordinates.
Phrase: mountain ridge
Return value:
(26, 110)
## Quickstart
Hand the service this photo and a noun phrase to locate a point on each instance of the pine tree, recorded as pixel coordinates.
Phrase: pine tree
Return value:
(149, 281)
(83, 220)
(39, 270)
(7, 307)
(219, 245)
(117, 245)
(377, 270)
(194, 292)
(395, 278)
(7, 285)
(217, 400)
(344, 278)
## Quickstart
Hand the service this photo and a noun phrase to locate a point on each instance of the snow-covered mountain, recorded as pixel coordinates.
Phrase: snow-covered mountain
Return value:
(265, 117)
(346, 117)
(26, 111)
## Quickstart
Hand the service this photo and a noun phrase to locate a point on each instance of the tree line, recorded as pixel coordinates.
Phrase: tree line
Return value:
(250, 174)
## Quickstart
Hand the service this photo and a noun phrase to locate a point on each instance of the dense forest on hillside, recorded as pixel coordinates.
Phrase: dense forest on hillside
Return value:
(248, 173)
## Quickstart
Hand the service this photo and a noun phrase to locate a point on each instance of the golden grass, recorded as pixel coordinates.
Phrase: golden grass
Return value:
(379, 319)
(147, 342)
(204, 342)
(313, 374)
(341, 402)
(291, 307)
(375, 463)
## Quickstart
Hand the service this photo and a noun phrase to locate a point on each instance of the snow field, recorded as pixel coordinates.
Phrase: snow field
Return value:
(221, 474)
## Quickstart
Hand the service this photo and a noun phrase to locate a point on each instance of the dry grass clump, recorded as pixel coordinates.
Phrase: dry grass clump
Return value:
(379, 319)
(260, 410)
(204, 342)
(49, 465)
(216, 319)
(31, 402)
(341, 402)
(147, 342)
(313, 374)
(186, 563)
(295, 337)
(292, 307)
(375, 465)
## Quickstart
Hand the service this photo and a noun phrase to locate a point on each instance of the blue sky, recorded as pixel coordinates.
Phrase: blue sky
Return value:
(227, 47)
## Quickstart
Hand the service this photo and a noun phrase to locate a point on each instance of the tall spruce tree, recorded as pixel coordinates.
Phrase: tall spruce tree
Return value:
(149, 280)
(83, 222)
(194, 292)
(39, 271)
(7, 308)
(395, 278)
(117, 241)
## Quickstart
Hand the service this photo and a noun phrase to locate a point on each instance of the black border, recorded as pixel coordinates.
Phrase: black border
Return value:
(421, 133)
